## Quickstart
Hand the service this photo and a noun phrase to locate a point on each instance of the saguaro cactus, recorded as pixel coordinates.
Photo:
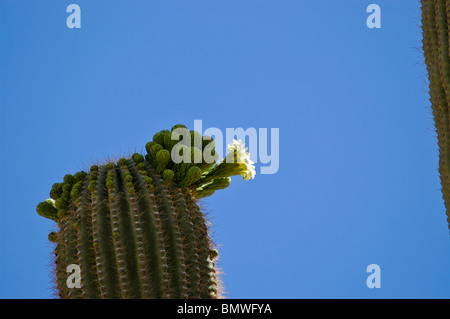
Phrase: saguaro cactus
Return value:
(436, 34)
(134, 227)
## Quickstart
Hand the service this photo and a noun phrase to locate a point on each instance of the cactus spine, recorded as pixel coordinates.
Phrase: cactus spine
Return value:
(134, 227)
(436, 35)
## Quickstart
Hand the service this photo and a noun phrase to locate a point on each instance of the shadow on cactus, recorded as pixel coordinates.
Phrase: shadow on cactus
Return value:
(134, 227)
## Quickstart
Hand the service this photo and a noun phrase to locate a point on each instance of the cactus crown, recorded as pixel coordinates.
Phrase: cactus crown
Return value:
(134, 227)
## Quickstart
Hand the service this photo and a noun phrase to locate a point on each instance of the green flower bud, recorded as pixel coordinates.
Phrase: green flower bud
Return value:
(77, 189)
(159, 138)
(168, 176)
(60, 203)
(66, 188)
(68, 179)
(169, 143)
(53, 237)
(47, 209)
(162, 158)
(149, 145)
(56, 191)
(142, 166)
(204, 193)
(137, 158)
(178, 126)
(122, 162)
(155, 149)
(219, 183)
(80, 176)
(192, 175)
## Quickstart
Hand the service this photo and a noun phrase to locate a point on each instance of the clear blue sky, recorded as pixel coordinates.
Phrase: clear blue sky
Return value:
(358, 181)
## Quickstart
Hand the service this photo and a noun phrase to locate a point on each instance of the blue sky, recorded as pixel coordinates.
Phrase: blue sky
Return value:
(358, 180)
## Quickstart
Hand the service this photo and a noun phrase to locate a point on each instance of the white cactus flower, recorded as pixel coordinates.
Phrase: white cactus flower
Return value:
(239, 152)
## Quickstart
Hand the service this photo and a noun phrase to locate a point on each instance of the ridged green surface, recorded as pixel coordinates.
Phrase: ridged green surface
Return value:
(134, 240)
(436, 34)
